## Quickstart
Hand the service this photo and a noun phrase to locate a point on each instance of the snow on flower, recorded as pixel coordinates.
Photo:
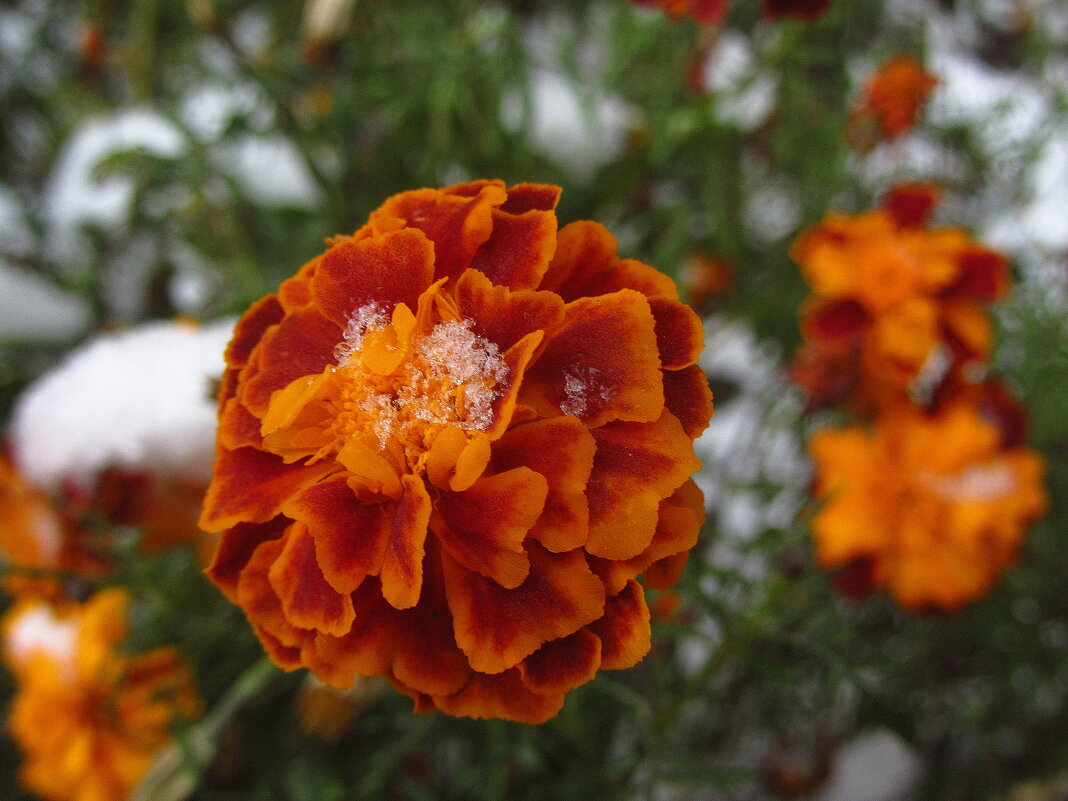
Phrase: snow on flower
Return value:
(450, 445)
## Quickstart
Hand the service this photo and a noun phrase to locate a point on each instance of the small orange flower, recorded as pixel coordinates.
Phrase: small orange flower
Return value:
(934, 507)
(31, 532)
(705, 278)
(897, 308)
(892, 100)
(89, 718)
(449, 446)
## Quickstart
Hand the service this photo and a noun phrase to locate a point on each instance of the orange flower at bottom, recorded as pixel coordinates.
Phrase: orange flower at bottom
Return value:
(88, 718)
(935, 506)
(892, 101)
(449, 447)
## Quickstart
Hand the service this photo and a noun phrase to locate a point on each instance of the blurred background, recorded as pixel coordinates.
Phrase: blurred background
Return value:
(175, 161)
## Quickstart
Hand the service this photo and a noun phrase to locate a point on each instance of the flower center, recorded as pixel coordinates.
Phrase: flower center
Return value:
(405, 386)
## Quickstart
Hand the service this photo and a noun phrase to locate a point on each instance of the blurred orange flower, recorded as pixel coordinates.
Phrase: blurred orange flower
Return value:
(704, 279)
(891, 102)
(934, 507)
(896, 309)
(89, 718)
(449, 446)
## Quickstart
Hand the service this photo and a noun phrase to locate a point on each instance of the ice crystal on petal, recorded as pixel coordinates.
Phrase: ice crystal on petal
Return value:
(363, 320)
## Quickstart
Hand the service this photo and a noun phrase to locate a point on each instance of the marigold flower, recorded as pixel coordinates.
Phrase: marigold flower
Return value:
(892, 100)
(89, 718)
(449, 446)
(934, 506)
(896, 309)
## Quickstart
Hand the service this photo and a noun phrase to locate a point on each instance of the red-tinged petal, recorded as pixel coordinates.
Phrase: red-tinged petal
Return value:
(911, 205)
(517, 358)
(250, 486)
(624, 629)
(664, 574)
(250, 329)
(235, 549)
(678, 524)
(366, 648)
(518, 251)
(563, 664)
(484, 527)
(502, 316)
(228, 384)
(561, 450)
(502, 696)
(238, 428)
(983, 276)
(402, 566)
(688, 397)
(288, 658)
(600, 364)
(637, 465)
(295, 292)
(586, 264)
(455, 223)
(613, 574)
(308, 600)
(679, 335)
(837, 322)
(259, 600)
(525, 197)
(302, 344)
(387, 269)
(350, 536)
(497, 628)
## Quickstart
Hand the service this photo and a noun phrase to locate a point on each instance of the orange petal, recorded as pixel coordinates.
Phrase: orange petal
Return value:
(250, 486)
(483, 528)
(585, 264)
(238, 428)
(441, 458)
(664, 573)
(456, 223)
(516, 359)
(250, 329)
(679, 334)
(387, 269)
(561, 450)
(497, 628)
(402, 567)
(563, 664)
(259, 600)
(502, 696)
(235, 549)
(524, 197)
(600, 364)
(366, 648)
(308, 600)
(228, 384)
(302, 344)
(637, 465)
(350, 536)
(295, 291)
(518, 251)
(370, 468)
(501, 315)
(688, 397)
(624, 629)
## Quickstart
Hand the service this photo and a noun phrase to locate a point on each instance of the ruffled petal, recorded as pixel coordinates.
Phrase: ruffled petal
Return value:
(259, 600)
(563, 664)
(600, 364)
(637, 465)
(679, 335)
(402, 566)
(516, 359)
(308, 600)
(624, 629)
(455, 222)
(526, 197)
(264, 313)
(302, 344)
(250, 486)
(350, 536)
(238, 428)
(484, 527)
(497, 628)
(501, 315)
(688, 397)
(366, 648)
(387, 269)
(561, 450)
(518, 251)
(500, 696)
(235, 549)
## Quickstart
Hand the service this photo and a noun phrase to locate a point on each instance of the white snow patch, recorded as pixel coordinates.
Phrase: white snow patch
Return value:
(38, 630)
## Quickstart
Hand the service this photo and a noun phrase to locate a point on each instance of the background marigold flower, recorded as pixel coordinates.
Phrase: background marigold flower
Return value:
(934, 506)
(449, 446)
(893, 98)
(89, 718)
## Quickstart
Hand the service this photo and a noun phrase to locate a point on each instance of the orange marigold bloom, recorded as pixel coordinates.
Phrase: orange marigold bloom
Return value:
(934, 507)
(896, 308)
(892, 99)
(449, 446)
(89, 718)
